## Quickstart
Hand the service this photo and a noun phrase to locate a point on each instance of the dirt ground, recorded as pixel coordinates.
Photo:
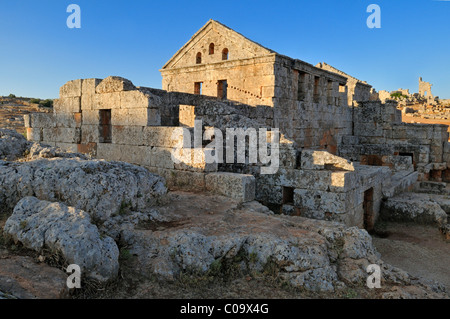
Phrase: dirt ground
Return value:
(421, 250)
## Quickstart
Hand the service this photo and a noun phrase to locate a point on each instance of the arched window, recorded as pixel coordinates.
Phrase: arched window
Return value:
(225, 54)
(211, 48)
(198, 59)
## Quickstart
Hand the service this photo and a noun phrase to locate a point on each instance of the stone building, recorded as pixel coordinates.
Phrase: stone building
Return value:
(340, 154)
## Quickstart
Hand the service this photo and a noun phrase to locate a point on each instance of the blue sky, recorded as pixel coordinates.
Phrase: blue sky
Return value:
(134, 39)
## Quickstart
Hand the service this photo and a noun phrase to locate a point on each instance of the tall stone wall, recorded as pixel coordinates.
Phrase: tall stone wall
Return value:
(249, 81)
(311, 105)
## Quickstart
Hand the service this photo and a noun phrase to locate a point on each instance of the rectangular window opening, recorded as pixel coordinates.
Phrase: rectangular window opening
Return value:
(105, 126)
(198, 86)
(301, 94)
(222, 89)
(288, 195)
(316, 94)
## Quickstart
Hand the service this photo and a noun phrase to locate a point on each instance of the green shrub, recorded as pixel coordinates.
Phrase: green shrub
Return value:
(46, 103)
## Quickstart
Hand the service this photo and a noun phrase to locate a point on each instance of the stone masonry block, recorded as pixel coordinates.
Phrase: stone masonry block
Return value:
(90, 117)
(139, 155)
(269, 194)
(27, 120)
(62, 135)
(163, 136)
(68, 120)
(42, 120)
(181, 180)
(71, 89)
(67, 105)
(106, 101)
(236, 186)
(90, 134)
(311, 159)
(192, 159)
(137, 99)
(114, 84)
(161, 157)
(88, 86)
(88, 102)
(315, 200)
(34, 134)
(128, 135)
(136, 117)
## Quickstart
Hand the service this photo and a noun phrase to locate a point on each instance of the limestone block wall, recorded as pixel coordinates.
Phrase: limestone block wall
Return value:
(324, 186)
(249, 81)
(381, 139)
(310, 105)
(358, 91)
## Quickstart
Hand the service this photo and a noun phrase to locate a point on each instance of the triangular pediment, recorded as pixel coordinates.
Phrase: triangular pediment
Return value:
(239, 47)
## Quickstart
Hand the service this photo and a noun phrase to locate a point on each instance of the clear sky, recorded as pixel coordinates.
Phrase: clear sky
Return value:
(134, 39)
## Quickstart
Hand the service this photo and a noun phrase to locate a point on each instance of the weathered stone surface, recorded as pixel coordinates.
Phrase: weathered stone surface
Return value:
(114, 84)
(62, 135)
(217, 232)
(98, 187)
(61, 229)
(91, 117)
(66, 120)
(67, 105)
(44, 120)
(21, 277)
(106, 101)
(71, 89)
(136, 117)
(138, 99)
(90, 133)
(237, 186)
(38, 151)
(320, 160)
(413, 207)
(34, 134)
(181, 180)
(12, 145)
(88, 86)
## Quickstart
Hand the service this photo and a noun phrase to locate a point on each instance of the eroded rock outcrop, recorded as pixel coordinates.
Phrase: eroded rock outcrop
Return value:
(61, 229)
(12, 145)
(414, 207)
(101, 188)
(217, 233)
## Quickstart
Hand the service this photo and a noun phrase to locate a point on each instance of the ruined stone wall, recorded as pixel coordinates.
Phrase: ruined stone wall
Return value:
(379, 137)
(425, 89)
(324, 186)
(310, 106)
(314, 184)
(358, 91)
